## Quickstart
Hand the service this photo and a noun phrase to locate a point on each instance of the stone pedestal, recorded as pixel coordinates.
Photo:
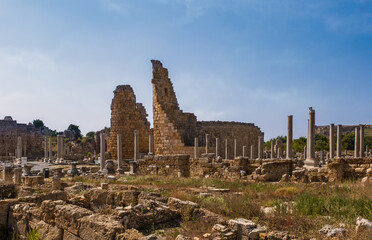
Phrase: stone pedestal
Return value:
(73, 171)
(56, 183)
(132, 167)
(27, 169)
(58, 172)
(109, 167)
(7, 173)
(17, 175)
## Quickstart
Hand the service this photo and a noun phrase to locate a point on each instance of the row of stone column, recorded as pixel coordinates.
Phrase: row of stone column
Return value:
(217, 150)
(120, 149)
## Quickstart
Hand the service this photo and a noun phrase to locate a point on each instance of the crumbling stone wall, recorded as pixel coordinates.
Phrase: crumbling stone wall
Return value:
(246, 134)
(174, 130)
(176, 166)
(126, 117)
(32, 138)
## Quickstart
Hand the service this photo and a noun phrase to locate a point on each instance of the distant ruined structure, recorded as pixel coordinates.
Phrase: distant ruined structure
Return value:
(31, 138)
(174, 131)
(127, 116)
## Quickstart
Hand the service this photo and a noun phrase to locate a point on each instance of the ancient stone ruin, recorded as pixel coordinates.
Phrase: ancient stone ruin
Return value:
(113, 185)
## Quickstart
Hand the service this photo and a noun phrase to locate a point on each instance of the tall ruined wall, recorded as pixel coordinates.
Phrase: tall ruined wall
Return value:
(32, 139)
(246, 134)
(174, 130)
(126, 117)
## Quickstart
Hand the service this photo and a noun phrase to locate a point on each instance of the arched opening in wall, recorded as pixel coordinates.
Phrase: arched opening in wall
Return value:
(166, 92)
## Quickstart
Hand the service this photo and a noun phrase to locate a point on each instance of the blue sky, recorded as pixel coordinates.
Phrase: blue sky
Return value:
(232, 60)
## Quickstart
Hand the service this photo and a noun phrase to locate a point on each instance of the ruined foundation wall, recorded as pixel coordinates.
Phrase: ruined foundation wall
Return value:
(126, 117)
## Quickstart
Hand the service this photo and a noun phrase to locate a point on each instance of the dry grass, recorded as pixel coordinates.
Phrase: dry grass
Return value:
(315, 204)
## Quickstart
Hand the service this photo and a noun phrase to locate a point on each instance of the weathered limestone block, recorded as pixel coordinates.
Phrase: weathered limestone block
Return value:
(46, 231)
(68, 217)
(242, 226)
(185, 208)
(99, 227)
(222, 232)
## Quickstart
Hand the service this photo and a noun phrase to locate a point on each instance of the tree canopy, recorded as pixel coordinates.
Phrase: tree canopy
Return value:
(38, 123)
(75, 130)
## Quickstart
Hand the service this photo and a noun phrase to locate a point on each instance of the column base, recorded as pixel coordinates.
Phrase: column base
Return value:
(311, 163)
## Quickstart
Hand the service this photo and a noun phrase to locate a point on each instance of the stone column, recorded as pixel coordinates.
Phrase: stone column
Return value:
(151, 144)
(25, 150)
(217, 147)
(17, 175)
(102, 150)
(59, 147)
(310, 158)
(244, 151)
(331, 141)
(235, 153)
(321, 156)
(260, 147)
(136, 145)
(196, 148)
(19, 147)
(272, 149)
(226, 150)
(50, 148)
(305, 152)
(120, 154)
(279, 149)
(356, 143)
(339, 136)
(45, 148)
(361, 142)
(206, 143)
(289, 152)
(252, 151)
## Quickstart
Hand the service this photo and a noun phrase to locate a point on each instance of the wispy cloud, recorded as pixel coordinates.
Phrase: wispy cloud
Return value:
(117, 6)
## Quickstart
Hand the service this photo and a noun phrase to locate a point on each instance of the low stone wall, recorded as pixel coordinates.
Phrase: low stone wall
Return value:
(176, 166)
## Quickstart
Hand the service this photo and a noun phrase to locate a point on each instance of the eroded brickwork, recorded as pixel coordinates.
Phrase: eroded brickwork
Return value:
(174, 130)
(127, 116)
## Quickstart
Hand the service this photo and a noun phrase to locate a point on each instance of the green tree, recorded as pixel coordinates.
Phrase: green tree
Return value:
(299, 144)
(90, 134)
(348, 141)
(75, 129)
(53, 133)
(38, 123)
(321, 142)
